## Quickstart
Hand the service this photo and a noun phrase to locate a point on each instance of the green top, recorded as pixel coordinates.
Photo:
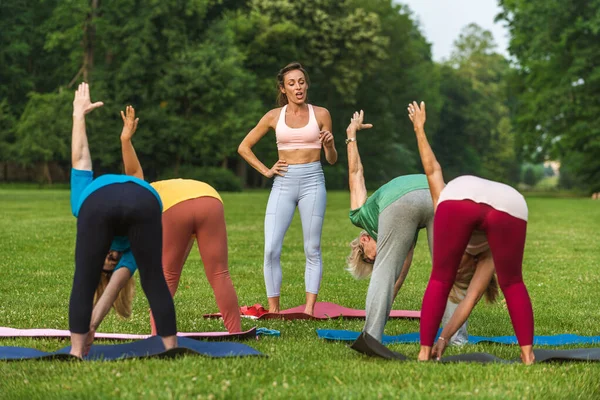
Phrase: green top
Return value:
(367, 216)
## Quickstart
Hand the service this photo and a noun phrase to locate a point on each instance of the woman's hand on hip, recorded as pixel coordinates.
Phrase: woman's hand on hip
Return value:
(278, 169)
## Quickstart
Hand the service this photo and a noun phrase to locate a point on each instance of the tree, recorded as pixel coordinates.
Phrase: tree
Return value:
(43, 132)
(476, 110)
(558, 111)
(339, 44)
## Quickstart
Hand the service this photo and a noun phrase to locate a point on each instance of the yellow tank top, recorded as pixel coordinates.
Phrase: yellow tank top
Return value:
(174, 191)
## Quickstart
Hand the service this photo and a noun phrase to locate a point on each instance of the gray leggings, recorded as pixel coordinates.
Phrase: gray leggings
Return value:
(304, 186)
(397, 226)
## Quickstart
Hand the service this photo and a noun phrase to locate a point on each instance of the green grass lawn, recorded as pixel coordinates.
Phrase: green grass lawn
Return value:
(37, 237)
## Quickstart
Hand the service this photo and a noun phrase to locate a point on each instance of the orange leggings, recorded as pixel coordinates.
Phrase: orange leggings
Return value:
(204, 218)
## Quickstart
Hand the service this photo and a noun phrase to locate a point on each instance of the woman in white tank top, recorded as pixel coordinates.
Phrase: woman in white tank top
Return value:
(473, 216)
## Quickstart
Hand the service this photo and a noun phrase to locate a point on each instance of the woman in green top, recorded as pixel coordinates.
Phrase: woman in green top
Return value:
(391, 219)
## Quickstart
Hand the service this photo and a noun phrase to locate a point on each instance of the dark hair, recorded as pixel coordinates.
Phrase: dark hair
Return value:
(282, 99)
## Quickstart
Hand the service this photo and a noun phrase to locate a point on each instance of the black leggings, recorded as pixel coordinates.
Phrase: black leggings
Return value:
(120, 209)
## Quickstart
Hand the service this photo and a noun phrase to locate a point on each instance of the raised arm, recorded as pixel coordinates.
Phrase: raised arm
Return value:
(245, 148)
(477, 287)
(130, 159)
(80, 151)
(326, 136)
(432, 167)
(356, 178)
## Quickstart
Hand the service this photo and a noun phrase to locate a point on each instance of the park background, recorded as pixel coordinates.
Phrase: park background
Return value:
(201, 73)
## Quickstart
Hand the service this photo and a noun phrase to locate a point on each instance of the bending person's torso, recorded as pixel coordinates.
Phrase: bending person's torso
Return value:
(83, 185)
(174, 191)
(298, 145)
(367, 216)
(495, 194)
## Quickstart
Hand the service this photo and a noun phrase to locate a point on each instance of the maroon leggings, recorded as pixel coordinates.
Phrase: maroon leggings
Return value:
(204, 218)
(453, 225)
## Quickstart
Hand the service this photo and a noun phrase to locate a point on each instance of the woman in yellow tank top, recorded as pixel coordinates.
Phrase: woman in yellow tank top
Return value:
(191, 209)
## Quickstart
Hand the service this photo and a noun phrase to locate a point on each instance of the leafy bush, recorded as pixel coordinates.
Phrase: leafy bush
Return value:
(220, 178)
(336, 177)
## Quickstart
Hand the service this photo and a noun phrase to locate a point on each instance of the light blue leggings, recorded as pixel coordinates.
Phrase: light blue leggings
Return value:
(304, 186)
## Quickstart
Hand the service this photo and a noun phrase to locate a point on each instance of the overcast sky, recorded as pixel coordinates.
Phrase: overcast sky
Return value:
(442, 20)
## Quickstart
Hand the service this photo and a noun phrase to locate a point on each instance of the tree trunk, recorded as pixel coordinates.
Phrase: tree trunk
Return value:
(88, 42)
(47, 177)
(177, 164)
(241, 171)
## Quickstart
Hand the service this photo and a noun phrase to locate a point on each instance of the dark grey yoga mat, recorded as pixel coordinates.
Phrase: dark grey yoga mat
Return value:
(369, 346)
(151, 347)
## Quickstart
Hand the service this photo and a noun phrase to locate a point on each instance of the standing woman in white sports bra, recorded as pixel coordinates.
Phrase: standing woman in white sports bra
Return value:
(301, 131)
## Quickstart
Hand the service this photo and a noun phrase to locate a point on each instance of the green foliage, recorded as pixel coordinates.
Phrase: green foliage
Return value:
(558, 110)
(568, 178)
(476, 134)
(202, 72)
(531, 174)
(43, 132)
(7, 132)
(220, 178)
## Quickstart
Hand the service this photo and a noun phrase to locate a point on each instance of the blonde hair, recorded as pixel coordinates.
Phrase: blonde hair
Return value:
(123, 302)
(357, 266)
(465, 273)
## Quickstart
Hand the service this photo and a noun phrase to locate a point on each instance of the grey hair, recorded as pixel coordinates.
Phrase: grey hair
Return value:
(357, 266)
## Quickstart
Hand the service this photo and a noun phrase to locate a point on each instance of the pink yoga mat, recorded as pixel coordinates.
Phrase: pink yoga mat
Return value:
(58, 333)
(325, 310)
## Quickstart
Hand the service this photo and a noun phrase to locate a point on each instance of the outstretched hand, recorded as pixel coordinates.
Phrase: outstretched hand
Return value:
(417, 114)
(89, 341)
(356, 122)
(439, 349)
(82, 103)
(130, 123)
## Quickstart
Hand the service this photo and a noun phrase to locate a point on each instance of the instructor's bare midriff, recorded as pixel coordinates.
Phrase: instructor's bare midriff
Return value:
(300, 156)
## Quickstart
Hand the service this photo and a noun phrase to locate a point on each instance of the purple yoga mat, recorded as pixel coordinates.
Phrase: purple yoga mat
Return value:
(58, 333)
(326, 310)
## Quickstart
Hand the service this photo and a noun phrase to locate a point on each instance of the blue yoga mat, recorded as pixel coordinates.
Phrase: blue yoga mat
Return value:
(151, 347)
(553, 340)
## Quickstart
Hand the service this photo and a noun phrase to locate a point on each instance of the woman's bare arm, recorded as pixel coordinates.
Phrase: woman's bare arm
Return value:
(432, 167)
(326, 136)
(117, 281)
(479, 283)
(245, 148)
(356, 178)
(80, 150)
(131, 162)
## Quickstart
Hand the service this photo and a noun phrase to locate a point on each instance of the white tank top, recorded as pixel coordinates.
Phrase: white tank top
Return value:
(495, 194)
